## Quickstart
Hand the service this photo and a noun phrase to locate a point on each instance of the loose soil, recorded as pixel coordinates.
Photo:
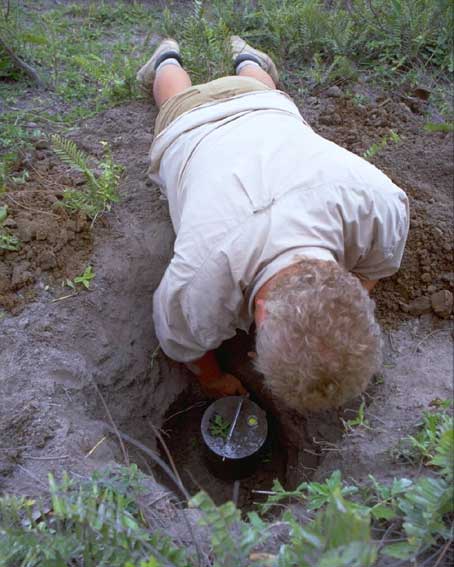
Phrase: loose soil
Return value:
(421, 163)
(54, 245)
(61, 360)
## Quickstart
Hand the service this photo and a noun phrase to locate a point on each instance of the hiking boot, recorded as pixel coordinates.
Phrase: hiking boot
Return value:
(167, 49)
(242, 51)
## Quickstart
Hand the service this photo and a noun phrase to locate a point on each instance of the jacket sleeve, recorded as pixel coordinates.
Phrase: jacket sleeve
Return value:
(389, 231)
(194, 314)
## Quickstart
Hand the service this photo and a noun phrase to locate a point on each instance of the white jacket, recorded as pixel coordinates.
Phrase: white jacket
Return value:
(251, 186)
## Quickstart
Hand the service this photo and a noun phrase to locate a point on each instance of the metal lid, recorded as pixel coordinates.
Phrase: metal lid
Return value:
(250, 427)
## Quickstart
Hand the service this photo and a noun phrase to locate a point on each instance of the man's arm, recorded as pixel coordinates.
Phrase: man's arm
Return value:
(212, 380)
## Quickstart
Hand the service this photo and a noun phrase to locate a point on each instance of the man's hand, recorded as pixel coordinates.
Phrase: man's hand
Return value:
(215, 383)
(226, 385)
(368, 284)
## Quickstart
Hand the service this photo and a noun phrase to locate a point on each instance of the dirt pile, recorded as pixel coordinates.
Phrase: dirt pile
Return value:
(52, 353)
(421, 164)
(57, 246)
(53, 245)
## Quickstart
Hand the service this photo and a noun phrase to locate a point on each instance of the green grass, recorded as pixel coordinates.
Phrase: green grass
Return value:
(91, 52)
(386, 36)
(84, 53)
(393, 137)
(87, 55)
(105, 520)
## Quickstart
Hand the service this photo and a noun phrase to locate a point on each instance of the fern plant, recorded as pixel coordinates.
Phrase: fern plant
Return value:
(93, 522)
(205, 46)
(100, 190)
(403, 31)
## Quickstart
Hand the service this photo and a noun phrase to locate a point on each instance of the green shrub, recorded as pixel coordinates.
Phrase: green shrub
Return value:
(402, 32)
(102, 521)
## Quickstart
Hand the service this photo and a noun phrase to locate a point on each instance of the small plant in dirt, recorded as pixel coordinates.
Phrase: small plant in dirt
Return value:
(433, 432)
(324, 74)
(100, 190)
(7, 240)
(444, 127)
(84, 279)
(315, 494)
(219, 427)
(393, 137)
(359, 421)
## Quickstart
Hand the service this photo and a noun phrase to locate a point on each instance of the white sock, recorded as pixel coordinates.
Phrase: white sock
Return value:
(244, 63)
(170, 61)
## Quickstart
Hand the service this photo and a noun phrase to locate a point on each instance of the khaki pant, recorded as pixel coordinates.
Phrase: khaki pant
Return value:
(219, 89)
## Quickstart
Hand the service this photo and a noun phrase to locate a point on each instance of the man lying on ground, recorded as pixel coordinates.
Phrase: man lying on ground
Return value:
(275, 225)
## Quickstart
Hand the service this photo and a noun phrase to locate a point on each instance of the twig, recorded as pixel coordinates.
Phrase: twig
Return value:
(20, 447)
(64, 297)
(428, 562)
(8, 196)
(443, 553)
(384, 102)
(391, 341)
(311, 452)
(274, 505)
(377, 418)
(166, 450)
(423, 340)
(46, 458)
(93, 449)
(146, 464)
(306, 468)
(112, 422)
(196, 405)
(26, 192)
(152, 456)
(154, 356)
(28, 69)
(160, 497)
(194, 539)
(31, 475)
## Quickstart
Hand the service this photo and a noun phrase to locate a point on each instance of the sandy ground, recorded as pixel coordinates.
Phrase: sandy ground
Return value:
(52, 416)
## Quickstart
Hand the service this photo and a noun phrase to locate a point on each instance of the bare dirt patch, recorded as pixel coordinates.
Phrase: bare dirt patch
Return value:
(421, 164)
(51, 353)
(54, 245)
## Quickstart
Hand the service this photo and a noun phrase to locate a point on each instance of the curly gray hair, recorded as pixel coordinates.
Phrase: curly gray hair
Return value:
(319, 344)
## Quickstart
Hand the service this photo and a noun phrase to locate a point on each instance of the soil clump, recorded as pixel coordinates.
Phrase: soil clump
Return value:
(53, 244)
(421, 164)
